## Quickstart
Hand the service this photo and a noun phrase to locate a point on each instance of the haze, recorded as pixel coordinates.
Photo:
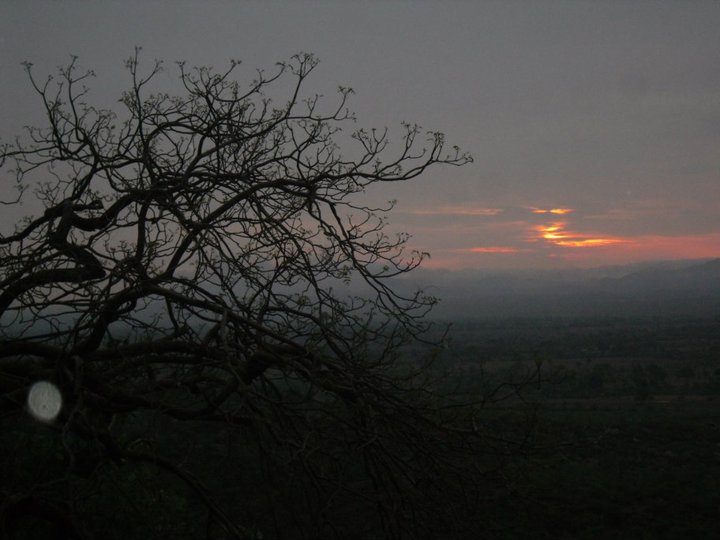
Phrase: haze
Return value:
(595, 127)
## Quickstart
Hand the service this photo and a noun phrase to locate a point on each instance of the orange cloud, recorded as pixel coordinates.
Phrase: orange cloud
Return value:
(649, 247)
(557, 233)
(607, 250)
(591, 242)
(560, 211)
(494, 249)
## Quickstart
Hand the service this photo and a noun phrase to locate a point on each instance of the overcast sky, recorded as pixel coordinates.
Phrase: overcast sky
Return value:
(595, 126)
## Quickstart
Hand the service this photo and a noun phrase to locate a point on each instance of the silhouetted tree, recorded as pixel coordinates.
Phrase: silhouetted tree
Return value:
(202, 282)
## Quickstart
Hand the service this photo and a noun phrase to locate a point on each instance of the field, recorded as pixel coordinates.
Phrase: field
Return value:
(626, 432)
(608, 428)
(625, 470)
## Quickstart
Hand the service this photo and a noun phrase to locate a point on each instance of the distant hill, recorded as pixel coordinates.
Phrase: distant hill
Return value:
(688, 288)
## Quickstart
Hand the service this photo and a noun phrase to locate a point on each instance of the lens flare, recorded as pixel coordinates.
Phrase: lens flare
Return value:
(44, 401)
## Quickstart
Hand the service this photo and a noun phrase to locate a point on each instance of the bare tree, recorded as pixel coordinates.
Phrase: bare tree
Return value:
(194, 262)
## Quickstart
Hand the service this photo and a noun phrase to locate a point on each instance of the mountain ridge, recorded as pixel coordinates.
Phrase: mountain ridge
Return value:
(687, 288)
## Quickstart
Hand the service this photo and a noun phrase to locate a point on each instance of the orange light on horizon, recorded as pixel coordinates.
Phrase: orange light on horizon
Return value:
(671, 247)
(560, 211)
(579, 250)
(492, 249)
(557, 234)
(591, 242)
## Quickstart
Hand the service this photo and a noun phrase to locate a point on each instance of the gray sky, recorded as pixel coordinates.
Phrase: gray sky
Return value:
(609, 110)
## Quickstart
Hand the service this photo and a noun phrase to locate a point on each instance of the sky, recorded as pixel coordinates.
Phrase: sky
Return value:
(594, 126)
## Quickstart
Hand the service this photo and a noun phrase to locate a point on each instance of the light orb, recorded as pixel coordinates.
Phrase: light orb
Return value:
(44, 401)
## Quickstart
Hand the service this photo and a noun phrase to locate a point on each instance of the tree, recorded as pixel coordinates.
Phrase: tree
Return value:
(190, 284)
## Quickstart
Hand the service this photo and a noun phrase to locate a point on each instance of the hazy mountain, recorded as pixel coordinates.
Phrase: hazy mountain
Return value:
(648, 289)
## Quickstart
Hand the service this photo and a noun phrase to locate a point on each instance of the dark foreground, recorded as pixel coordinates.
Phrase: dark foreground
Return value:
(622, 431)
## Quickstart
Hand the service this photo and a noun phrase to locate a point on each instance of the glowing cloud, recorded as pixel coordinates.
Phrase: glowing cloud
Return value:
(493, 249)
(648, 248)
(559, 211)
(590, 242)
(557, 233)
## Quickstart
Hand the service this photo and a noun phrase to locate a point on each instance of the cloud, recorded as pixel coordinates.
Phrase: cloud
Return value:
(619, 214)
(517, 236)
(694, 246)
(558, 234)
(559, 211)
(590, 242)
(456, 211)
(492, 249)
(649, 248)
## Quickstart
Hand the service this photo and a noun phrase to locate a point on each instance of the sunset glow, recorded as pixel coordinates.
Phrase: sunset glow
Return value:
(583, 154)
(500, 249)
(523, 236)
(558, 234)
(559, 211)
